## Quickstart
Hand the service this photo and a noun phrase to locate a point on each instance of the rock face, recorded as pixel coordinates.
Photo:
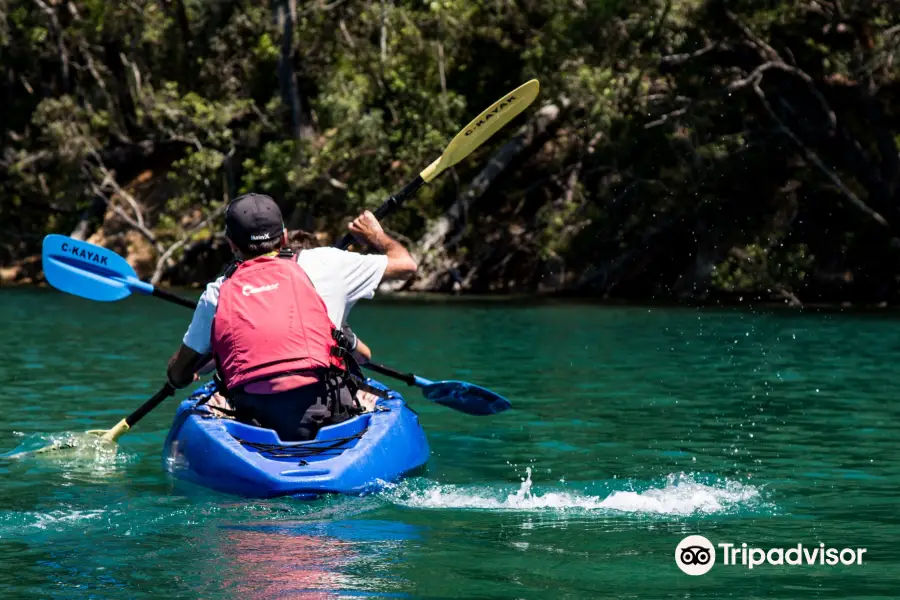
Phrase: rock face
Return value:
(27, 271)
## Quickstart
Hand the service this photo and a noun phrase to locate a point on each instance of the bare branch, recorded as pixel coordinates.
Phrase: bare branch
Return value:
(100, 192)
(665, 118)
(814, 158)
(138, 88)
(336, 184)
(767, 51)
(60, 44)
(755, 77)
(189, 139)
(343, 27)
(109, 181)
(679, 59)
(384, 34)
(108, 184)
(164, 258)
(318, 6)
(30, 159)
(26, 85)
(441, 69)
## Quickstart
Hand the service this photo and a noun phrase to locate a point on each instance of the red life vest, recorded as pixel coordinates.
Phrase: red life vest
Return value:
(270, 322)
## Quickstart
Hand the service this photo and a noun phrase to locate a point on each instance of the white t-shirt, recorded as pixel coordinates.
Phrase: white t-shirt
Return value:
(340, 277)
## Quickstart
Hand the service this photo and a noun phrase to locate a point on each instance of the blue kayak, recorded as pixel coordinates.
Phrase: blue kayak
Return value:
(355, 457)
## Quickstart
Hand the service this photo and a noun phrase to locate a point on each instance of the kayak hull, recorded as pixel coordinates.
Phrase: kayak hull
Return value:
(356, 457)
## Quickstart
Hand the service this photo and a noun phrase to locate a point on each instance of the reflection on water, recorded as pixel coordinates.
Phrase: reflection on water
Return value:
(309, 560)
(277, 565)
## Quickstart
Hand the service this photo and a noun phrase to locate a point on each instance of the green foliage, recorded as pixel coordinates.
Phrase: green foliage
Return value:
(760, 267)
(675, 158)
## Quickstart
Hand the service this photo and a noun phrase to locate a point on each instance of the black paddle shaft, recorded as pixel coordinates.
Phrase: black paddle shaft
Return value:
(388, 207)
(407, 378)
(166, 391)
(173, 298)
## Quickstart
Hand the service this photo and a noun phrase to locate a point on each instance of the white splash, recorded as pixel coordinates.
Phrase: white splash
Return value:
(68, 449)
(680, 495)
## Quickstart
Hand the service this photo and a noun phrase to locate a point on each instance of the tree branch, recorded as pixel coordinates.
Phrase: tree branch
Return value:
(756, 75)
(814, 158)
(679, 59)
(58, 33)
(108, 183)
(384, 34)
(346, 33)
(164, 258)
(765, 50)
(666, 118)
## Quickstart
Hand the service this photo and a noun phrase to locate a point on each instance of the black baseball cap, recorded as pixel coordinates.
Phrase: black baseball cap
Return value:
(253, 218)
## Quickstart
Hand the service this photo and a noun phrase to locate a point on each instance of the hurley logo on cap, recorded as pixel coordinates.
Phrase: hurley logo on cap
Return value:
(253, 219)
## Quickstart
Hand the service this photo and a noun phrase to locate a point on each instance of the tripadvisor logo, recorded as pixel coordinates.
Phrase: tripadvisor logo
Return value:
(696, 555)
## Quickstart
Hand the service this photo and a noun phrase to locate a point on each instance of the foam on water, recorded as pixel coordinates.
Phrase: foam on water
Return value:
(82, 446)
(679, 495)
(73, 457)
(15, 523)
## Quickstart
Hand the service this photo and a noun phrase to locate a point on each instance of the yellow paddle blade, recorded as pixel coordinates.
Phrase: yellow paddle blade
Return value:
(115, 433)
(483, 127)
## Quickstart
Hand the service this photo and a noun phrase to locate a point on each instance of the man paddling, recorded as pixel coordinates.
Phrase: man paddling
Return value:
(269, 320)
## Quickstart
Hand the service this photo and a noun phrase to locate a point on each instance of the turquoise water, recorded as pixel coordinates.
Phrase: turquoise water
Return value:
(632, 428)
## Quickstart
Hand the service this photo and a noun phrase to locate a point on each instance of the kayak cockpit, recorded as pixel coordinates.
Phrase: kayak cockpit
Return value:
(330, 441)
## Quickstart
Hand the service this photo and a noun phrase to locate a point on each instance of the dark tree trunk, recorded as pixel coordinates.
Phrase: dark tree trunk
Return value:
(184, 26)
(301, 122)
(113, 57)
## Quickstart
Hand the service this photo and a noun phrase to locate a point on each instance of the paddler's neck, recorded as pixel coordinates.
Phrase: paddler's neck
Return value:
(240, 255)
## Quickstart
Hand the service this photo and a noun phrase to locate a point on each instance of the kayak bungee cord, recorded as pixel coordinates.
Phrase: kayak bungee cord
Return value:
(303, 449)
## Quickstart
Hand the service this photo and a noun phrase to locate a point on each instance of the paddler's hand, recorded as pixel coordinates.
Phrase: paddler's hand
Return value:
(366, 228)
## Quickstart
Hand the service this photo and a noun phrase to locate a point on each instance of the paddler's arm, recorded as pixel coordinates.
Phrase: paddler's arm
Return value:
(183, 365)
(401, 264)
(361, 352)
(195, 351)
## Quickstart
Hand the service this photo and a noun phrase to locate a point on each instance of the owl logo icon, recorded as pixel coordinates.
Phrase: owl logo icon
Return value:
(695, 555)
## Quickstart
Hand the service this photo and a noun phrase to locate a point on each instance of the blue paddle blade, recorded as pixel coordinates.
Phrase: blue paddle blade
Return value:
(88, 270)
(466, 397)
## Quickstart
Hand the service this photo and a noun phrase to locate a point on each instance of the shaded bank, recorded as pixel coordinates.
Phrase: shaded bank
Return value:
(679, 151)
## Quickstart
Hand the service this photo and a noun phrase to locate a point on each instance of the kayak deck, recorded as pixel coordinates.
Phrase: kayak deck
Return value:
(357, 456)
